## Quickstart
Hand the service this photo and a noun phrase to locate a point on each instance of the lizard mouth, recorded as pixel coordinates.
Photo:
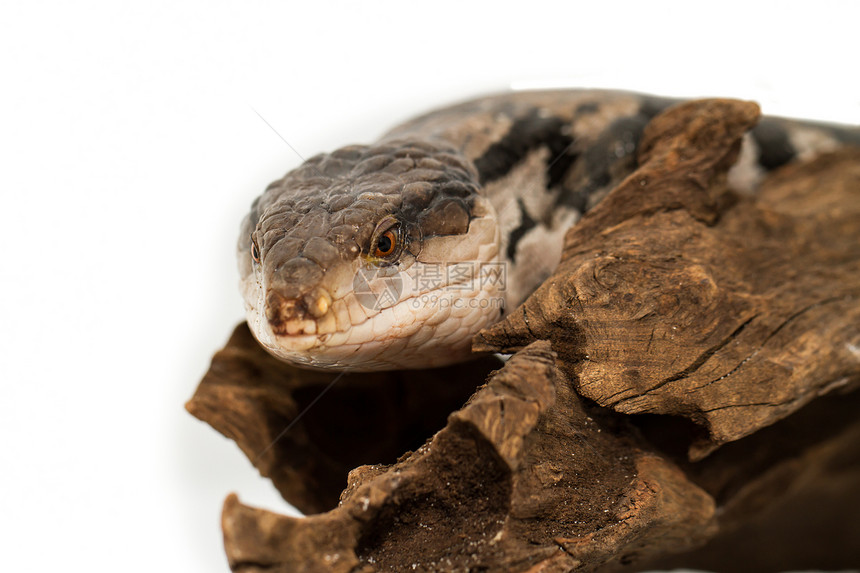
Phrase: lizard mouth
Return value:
(296, 316)
(422, 328)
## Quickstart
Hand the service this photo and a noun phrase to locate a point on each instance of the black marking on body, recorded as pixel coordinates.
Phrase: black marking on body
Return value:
(775, 148)
(561, 159)
(574, 198)
(526, 225)
(603, 160)
(845, 135)
(651, 106)
(525, 135)
(587, 108)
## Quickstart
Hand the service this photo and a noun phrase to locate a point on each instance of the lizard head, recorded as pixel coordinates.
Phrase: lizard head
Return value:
(372, 257)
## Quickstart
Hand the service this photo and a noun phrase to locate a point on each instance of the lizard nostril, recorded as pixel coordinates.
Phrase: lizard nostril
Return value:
(296, 315)
(280, 309)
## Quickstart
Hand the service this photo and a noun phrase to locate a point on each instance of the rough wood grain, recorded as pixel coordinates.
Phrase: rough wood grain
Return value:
(306, 430)
(522, 478)
(677, 297)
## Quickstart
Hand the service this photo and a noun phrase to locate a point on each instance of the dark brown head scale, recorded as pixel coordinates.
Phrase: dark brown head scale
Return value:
(324, 213)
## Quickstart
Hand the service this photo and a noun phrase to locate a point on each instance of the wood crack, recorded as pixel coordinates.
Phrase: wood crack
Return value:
(781, 326)
(700, 360)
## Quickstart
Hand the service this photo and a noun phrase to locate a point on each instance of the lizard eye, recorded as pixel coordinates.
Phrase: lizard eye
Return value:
(385, 244)
(387, 241)
(255, 250)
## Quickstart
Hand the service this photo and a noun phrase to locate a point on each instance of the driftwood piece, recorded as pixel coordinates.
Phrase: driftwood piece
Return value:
(677, 297)
(728, 325)
(521, 476)
(789, 499)
(305, 430)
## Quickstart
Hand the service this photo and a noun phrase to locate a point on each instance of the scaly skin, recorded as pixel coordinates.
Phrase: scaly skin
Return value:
(394, 255)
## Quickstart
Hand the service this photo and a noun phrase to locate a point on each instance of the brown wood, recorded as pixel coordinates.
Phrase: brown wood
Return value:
(677, 297)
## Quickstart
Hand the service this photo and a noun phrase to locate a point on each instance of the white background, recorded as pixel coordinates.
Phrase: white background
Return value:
(130, 150)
